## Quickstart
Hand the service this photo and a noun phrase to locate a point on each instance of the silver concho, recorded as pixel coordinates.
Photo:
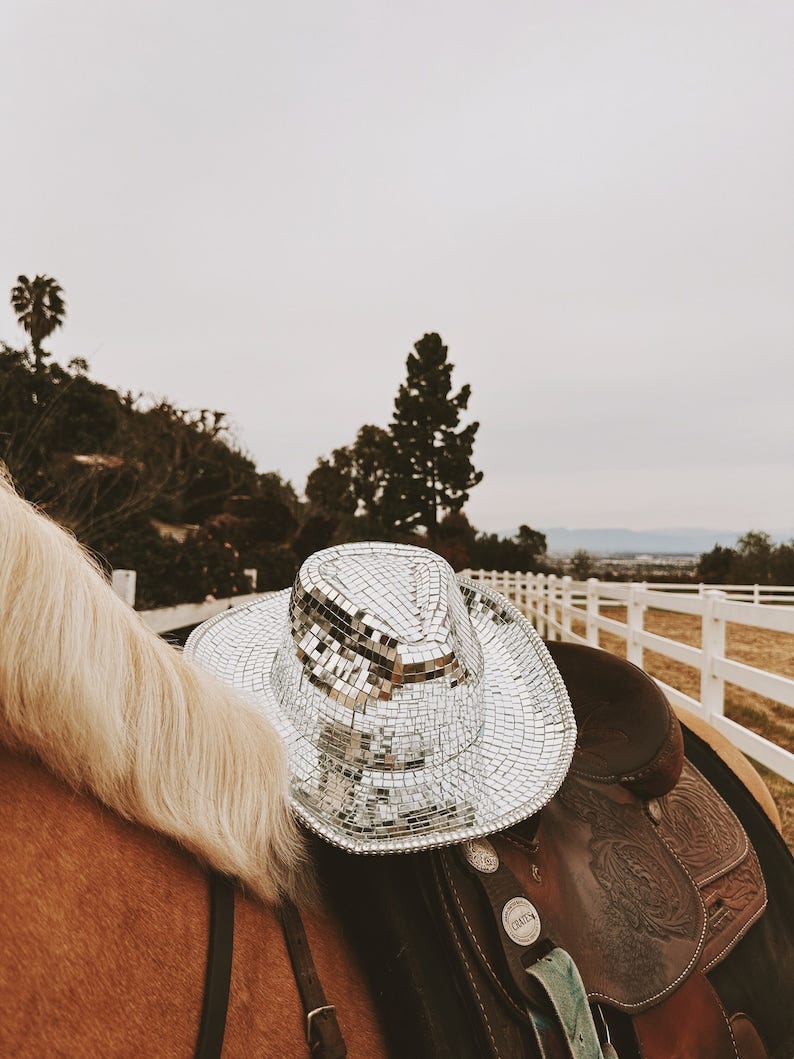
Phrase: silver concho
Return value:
(521, 921)
(654, 809)
(481, 855)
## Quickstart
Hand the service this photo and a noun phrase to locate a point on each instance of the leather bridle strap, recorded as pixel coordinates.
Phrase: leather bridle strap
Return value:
(322, 1029)
(219, 968)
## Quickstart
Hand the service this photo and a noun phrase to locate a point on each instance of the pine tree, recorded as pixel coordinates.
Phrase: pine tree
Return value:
(430, 470)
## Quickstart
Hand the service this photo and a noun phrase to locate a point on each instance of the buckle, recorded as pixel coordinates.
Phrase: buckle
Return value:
(312, 1015)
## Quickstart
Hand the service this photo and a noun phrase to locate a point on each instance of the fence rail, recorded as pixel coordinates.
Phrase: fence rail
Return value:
(166, 619)
(553, 604)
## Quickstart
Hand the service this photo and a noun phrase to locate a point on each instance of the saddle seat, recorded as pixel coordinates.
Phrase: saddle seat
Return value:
(627, 731)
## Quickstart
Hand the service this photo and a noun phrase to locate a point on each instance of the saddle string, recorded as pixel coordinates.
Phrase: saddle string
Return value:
(323, 1034)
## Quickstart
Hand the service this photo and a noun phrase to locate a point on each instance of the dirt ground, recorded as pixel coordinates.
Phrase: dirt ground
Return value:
(756, 647)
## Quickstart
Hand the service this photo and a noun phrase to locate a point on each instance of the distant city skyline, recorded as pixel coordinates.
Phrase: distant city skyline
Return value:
(260, 208)
(674, 540)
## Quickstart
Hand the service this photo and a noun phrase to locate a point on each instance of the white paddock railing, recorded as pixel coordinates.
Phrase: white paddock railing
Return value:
(166, 619)
(553, 603)
(183, 615)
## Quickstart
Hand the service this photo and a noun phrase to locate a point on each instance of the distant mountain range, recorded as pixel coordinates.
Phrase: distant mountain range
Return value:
(676, 540)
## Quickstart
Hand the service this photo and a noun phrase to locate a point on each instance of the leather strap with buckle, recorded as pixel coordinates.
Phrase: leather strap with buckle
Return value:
(323, 1035)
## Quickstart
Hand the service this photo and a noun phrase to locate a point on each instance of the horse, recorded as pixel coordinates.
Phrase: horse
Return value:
(124, 773)
(129, 781)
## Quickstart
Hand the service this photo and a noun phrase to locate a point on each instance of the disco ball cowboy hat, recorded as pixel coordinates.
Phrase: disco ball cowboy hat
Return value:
(417, 709)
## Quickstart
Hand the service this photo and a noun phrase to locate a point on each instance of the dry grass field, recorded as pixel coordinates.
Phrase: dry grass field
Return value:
(756, 647)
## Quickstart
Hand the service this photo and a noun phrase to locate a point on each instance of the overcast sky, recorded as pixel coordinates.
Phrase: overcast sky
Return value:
(259, 207)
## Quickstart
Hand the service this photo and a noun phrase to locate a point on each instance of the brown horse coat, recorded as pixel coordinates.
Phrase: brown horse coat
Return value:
(104, 929)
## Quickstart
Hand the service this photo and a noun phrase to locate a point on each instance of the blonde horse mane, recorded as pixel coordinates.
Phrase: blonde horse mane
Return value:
(112, 709)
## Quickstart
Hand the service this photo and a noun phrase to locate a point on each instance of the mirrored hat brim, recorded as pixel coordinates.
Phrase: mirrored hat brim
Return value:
(510, 771)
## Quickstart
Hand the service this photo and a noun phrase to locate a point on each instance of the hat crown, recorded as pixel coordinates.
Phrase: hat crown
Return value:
(367, 621)
(379, 667)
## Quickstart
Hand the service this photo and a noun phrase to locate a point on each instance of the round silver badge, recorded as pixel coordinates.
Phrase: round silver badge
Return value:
(521, 921)
(481, 855)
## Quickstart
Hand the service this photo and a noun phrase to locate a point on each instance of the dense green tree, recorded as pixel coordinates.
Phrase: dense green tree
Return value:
(531, 540)
(262, 530)
(455, 539)
(316, 532)
(371, 457)
(329, 487)
(192, 459)
(581, 565)
(714, 567)
(106, 465)
(171, 571)
(524, 552)
(430, 470)
(61, 436)
(352, 481)
(40, 309)
(262, 518)
(270, 485)
(753, 562)
(250, 543)
(756, 560)
(783, 564)
(19, 445)
(276, 566)
(114, 467)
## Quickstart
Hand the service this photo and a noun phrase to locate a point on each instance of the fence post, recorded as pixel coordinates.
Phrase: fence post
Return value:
(524, 594)
(635, 611)
(503, 583)
(123, 584)
(566, 608)
(712, 687)
(592, 611)
(756, 593)
(551, 608)
(530, 611)
(540, 609)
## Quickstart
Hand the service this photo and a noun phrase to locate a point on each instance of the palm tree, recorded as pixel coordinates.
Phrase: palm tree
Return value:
(40, 308)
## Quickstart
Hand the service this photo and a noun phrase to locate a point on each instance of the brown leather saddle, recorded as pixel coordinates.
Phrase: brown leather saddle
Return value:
(628, 918)
(632, 883)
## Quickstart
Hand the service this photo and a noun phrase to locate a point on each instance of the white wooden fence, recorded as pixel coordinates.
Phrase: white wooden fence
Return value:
(553, 603)
(164, 619)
